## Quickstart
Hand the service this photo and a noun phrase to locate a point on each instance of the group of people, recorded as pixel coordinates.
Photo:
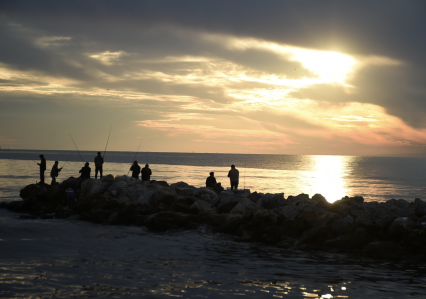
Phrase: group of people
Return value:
(145, 172)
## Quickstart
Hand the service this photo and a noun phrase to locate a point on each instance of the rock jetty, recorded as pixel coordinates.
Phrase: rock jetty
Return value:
(395, 229)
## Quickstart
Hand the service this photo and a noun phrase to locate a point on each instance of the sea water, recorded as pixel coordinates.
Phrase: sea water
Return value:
(374, 178)
(69, 259)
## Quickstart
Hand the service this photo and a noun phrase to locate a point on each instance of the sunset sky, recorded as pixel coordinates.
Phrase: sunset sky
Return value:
(234, 76)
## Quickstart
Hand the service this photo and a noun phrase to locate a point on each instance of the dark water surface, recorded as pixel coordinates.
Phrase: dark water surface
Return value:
(65, 259)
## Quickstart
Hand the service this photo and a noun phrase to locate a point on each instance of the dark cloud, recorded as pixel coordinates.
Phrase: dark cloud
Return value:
(392, 29)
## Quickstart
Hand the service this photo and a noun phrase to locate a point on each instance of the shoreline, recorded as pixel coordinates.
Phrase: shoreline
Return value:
(395, 229)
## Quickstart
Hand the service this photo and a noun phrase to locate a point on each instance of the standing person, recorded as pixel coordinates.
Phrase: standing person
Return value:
(136, 169)
(42, 165)
(85, 174)
(99, 161)
(211, 180)
(55, 172)
(146, 174)
(234, 176)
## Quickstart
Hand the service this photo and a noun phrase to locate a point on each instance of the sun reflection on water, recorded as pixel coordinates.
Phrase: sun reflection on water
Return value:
(329, 173)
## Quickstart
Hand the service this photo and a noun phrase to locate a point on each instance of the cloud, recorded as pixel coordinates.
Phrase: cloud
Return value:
(296, 74)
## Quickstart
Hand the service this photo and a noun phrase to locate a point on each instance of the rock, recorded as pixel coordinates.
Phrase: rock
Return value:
(231, 223)
(159, 183)
(183, 204)
(148, 199)
(315, 236)
(214, 220)
(205, 191)
(272, 201)
(227, 201)
(167, 220)
(91, 187)
(184, 191)
(420, 207)
(254, 197)
(125, 216)
(68, 183)
(343, 225)
(292, 228)
(165, 194)
(118, 184)
(200, 206)
(262, 219)
(241, 193)
(318, 218)
(107, 179)
(387, 250)
(244, 207)
(33, 190)
(294, 208)
(123, 199)
(401, 226)
(181, 185)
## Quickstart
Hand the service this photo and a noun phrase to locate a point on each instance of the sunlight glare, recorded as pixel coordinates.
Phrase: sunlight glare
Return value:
(329, 172)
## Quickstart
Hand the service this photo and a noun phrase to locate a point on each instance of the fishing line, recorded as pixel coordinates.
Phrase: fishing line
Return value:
(107, 142)
(77, 149)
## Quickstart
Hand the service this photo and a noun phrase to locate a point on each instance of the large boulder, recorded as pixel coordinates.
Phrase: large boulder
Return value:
(420, 207)
(107, 178)
(68, 183)
(231, 223)
(272, 201)
(200, 206)
(318, 218)
(227, 201)
(205, 193)
(244, 207)
(401, 226)
(295, 207)
(33, 190)
(166, 220)
(181, 185)
(185, 192)
(118, 184)
(91, 187)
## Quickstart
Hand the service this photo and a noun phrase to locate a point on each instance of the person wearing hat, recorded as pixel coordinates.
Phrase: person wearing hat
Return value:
(55, 172)
(85, 174)
(99, 161)
(136, 169)
(42, 165)
(211, 181)
(146, 174)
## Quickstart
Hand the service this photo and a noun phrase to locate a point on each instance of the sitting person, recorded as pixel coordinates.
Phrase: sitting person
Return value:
(211, 181)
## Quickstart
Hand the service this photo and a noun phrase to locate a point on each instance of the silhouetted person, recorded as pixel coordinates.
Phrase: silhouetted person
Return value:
(234, 176)
(54, 172)
(42, 165)
(99, 161)
(85, 174)
(146, 174)
(136, 169)
(70, 197)
(211, 180)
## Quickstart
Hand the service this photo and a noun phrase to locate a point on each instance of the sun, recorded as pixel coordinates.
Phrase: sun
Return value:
(330, 66)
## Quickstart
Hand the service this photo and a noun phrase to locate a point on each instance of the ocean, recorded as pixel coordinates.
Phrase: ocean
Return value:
(374, 178)
(72, 259)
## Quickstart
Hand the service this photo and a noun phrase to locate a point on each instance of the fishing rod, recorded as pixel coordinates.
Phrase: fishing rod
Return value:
(66, 161)
(245, 170)
(107, 142)
(77, 149)
(134, 158)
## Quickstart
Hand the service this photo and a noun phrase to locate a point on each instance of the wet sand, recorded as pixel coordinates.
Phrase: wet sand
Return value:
(66, 259)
